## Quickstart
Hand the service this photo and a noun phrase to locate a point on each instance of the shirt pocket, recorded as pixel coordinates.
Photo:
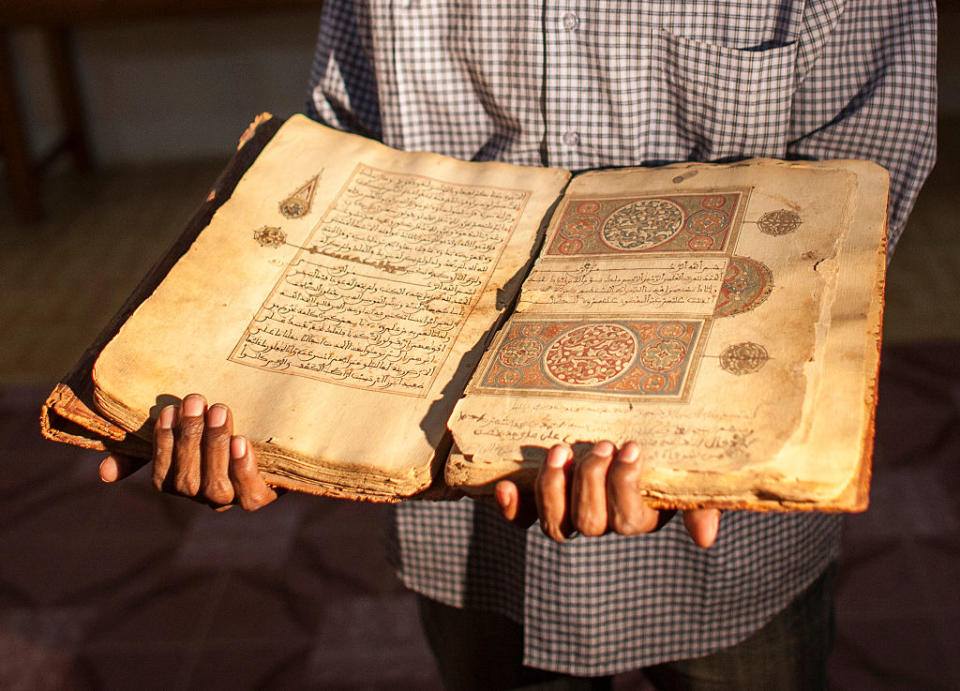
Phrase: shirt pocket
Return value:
(713, 102)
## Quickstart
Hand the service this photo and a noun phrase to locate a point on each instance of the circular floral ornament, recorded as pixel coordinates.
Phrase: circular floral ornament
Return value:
(707, 222)
(746, 285)
(743, 358)
(642, 224)
(590, 355)
(663, 355)
(779, 222)
(580, 226)
(520, 352)
(269, 236)
(294, 208)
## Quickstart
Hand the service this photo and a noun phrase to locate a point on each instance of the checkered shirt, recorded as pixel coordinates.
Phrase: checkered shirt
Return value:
(607, 83)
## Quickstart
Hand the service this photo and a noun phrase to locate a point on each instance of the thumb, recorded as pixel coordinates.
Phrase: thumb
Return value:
(702, 524)
(117, 466)
(514, 506)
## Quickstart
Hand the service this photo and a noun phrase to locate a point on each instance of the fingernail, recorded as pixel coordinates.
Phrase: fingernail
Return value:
(192, 406)
(165, 419)
(557, 457)
(217, 416)
(629, 453)
(604, 448)
(238, 447)
(502, 498)
(108, 472)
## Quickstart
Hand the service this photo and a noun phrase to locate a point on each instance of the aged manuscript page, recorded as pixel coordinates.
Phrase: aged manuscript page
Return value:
(687, 308)
(338, 302)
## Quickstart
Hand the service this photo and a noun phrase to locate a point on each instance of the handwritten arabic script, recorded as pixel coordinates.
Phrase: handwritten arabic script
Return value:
(684, 285)
(378, 294)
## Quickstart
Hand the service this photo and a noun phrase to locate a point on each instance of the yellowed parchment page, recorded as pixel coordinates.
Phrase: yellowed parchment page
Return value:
(688, 308)
(338, 302)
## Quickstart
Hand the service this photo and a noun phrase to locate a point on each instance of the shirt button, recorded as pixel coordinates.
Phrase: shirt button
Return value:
(571, 138)
(570, 21)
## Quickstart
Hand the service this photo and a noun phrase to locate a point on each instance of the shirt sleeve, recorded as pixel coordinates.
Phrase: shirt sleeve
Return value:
(871, 94)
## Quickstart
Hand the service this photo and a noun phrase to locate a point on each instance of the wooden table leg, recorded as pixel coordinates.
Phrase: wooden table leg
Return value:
(21, 171)
(60, 50)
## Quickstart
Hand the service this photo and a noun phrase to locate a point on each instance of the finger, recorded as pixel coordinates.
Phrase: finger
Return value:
(215, 485)
(163, 446)
(550, 491)
(249, 487)
(588, 497)
(186, 446)
(702, 524)
(514, 506)
(629, 514)
(508, 499)
(117, 466)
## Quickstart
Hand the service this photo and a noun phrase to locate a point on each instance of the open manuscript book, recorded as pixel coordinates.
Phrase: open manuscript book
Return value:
(350, 303)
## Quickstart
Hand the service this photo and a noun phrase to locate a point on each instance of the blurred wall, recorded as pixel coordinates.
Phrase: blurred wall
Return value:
(173, 88)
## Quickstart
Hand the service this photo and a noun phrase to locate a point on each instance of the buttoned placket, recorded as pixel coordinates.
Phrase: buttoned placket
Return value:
(564, 55)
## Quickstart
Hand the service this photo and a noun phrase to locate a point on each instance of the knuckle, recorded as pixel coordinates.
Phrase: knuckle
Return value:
(591, 524)
(186, 484)
(551, 531)
(623, 525)
(218, 491)
(253, 501)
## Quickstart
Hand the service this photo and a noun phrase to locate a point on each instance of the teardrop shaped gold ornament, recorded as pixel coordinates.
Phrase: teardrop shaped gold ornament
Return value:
(298, 204)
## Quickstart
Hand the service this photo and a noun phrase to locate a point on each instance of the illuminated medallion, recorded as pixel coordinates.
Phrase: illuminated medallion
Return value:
(642, 224)
(779, 222)
(743, 358)
(300, 200)
(520, 352)
(580, 226)
(269, 236)
(590, 355)
(746, 285)
(707, 222)
(663, 355)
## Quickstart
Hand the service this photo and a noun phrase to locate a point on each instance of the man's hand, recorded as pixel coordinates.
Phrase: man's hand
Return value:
(196, 455)
(596, 494)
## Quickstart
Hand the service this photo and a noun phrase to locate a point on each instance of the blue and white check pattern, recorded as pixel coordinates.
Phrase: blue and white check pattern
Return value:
(620, 82)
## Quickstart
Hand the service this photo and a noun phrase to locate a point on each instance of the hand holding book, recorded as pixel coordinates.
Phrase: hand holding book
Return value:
(595, 494)
(196, 455)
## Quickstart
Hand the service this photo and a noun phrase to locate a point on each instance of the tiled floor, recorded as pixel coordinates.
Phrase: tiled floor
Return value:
(114, 587)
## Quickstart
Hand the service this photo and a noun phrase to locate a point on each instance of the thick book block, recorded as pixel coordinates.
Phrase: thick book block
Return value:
(372, 316)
